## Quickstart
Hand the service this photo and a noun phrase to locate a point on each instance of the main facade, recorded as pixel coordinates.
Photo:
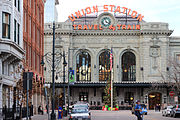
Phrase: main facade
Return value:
(141, 53)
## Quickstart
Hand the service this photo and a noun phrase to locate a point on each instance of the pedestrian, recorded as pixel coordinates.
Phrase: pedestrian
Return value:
(138, 109)
(47, 109)
(159, 107)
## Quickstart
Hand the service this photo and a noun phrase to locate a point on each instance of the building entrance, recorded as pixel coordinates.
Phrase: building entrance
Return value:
(83, 96)
(154, 99)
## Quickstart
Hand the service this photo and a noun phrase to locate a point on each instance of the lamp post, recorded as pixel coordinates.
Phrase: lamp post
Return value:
(64, 65)
(53, 115)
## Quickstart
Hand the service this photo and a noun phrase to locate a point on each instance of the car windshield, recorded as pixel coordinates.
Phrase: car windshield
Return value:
(76, 106)
(169, 107)
(79, 110)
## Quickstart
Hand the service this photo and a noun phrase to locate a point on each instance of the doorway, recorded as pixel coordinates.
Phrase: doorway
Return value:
(154, 99)
(83, 96)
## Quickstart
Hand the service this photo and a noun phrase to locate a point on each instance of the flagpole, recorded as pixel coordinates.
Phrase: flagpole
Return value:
(111, 82)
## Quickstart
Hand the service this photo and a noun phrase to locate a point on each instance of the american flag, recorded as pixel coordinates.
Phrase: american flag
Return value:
(111, 60)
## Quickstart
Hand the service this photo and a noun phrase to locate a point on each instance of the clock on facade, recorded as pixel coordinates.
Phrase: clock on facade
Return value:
(105, 21)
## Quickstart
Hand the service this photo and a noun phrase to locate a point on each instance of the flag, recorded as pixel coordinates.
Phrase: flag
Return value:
(111, 60)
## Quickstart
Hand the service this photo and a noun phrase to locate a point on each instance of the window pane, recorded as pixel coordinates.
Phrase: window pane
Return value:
(29, 26)
(18, 5)
(18, 33)
(128, 67)
(83, 67)
(15, 3)
(104, 66)
(14, 30)
(6, 25)
(6, 18)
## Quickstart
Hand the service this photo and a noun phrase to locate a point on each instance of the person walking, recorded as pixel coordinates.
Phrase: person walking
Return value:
(138, 109)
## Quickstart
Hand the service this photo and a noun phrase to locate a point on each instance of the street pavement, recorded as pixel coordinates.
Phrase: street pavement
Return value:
(115, 115)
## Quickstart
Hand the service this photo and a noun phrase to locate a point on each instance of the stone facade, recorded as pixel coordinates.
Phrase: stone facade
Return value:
(151, 45)
(11, 49)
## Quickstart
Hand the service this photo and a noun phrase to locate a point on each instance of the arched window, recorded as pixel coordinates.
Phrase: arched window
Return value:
(104, 66)
(128, 67)
(83, 67)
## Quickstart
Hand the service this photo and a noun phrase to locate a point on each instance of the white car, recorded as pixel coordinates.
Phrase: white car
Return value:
(80, 114)
(167, 110)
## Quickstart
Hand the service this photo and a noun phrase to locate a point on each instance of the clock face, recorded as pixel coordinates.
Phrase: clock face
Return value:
(106, 21)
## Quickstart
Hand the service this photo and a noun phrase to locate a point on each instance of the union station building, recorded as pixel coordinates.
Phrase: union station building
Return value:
(141, 54)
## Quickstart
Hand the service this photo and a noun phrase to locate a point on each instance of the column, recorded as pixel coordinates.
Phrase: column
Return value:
(1, 100)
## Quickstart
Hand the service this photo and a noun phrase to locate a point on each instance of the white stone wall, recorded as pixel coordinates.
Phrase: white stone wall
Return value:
(11, 53)
(138, 42)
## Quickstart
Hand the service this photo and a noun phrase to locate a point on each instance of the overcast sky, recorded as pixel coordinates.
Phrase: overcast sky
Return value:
(153, 10)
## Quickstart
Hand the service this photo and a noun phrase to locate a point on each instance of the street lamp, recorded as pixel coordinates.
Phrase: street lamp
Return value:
(59, 55)
(64, 65)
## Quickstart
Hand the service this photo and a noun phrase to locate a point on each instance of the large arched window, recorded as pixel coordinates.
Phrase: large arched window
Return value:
(128, 67)
(83, 66)
(104, 66)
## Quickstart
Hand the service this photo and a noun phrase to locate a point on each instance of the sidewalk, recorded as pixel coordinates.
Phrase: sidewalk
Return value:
(44, 117)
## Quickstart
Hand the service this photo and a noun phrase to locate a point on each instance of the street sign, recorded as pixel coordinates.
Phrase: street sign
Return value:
(71, 76)
(27, 81)
(176, 99)
(171, 93)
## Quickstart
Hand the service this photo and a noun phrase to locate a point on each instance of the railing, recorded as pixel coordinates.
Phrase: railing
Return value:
(14, 114)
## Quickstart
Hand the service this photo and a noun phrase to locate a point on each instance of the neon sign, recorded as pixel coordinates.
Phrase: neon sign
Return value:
(106, 22)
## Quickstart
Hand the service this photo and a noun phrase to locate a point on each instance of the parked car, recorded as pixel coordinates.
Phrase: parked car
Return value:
(175, 111)
(167, 110)
(144, 109)
(80, 113)
(80, 105)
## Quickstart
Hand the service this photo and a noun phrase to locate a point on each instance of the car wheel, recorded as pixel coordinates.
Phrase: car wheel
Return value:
(145, 113)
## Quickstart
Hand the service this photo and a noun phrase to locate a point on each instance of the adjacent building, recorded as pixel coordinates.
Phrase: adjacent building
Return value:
(33, 40)
(50, 11)
(11, 49)
(141, 53)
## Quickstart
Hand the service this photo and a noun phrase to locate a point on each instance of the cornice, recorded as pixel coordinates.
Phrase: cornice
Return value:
(110, 33)
(157, 32)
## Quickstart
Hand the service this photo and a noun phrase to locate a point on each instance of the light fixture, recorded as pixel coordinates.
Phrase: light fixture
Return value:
(152, 96)
(125, 70)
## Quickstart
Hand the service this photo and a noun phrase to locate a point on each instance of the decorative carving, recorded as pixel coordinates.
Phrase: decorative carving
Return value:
(154, 51)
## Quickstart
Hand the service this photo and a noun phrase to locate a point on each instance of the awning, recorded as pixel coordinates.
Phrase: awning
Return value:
(116, 84)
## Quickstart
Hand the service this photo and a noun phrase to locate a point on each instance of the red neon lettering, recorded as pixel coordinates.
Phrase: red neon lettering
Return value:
(105, 8)
(88, 10)
(134, 13)
(140, 17)
(95, 9)
(71, 18)
(74, 27)
(112, 6)
(78, 14)
(124, 9)
(118, 9)
(79, 27)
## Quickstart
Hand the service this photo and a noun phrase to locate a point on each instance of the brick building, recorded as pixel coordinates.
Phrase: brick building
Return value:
(33, 32)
